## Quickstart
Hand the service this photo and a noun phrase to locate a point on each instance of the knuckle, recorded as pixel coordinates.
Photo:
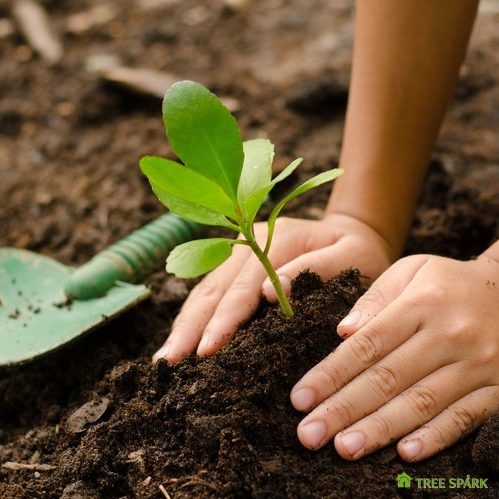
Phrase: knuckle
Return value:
(374, 296)
(463, 419)
(383, 380)
(322, 261)
(490, 354)
(330, 376)
(459, 422)
(438, 435)
(458, 333)
(430, 294)
(206, 291)
(180, 324)
(283, 222)
(343, 412)
(423, 400)
(383, 428)
(364, 345)
(240, 286)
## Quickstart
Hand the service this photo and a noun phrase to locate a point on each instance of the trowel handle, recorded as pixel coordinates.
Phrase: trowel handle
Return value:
(131, 259)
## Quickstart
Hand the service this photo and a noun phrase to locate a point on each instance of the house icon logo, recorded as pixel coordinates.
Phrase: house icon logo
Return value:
(404, 481)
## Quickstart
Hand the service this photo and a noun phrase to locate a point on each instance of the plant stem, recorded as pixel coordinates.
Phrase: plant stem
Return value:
(274, 279)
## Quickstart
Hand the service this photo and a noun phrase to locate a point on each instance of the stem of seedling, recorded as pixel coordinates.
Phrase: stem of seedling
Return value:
(274, 279)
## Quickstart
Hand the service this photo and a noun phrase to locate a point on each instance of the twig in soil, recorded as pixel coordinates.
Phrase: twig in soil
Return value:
(164, 492)
(13, 466)
(84, 21)
(36, 27)
(195, 481)
(141, 80)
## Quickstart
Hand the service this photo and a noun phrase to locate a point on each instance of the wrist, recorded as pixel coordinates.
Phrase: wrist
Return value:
(345, 224)
(392, 234)
(383, 198)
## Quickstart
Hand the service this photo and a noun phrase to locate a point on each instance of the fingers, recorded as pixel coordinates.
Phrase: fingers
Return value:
(318, 261)
(237, 304)
(380, 294)
(360, 351)
(447, 403)
(243, 293)
(416, 406)
(202, 303)
(228, 296)
(374, 387)
(302, 239)
(422, 363)
(335, 244)
(372, 366)
(453, 423)
(322, 262)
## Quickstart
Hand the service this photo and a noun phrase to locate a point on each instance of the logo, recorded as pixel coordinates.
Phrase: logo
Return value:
(404, 481)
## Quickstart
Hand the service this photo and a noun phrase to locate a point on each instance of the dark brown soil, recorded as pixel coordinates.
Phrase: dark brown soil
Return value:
(97, 420)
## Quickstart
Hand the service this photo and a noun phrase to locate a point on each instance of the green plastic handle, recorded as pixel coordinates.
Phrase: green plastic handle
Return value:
(131, 259)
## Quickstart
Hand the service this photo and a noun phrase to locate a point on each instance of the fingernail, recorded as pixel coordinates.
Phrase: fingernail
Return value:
(412, 448)
(204, 344)
(313, 434)
(303, 398)
(269, 291)
(350, 320)
(353, 441)
(162, 353)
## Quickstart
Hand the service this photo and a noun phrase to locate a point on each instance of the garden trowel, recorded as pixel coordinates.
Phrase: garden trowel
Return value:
(45, 304)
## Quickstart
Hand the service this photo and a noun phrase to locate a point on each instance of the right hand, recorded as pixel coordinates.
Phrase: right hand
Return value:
(230, 294)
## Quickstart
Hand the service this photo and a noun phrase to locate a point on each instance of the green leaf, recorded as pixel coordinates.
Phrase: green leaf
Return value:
(255, 200)
(257, 167)
(309, 184)
(254, 183)
(170, 177)
(195, 258)
(203, 134)
(193, 211)
(286, 172)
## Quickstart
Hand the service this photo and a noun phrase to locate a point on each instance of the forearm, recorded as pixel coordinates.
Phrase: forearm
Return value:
(406, 59)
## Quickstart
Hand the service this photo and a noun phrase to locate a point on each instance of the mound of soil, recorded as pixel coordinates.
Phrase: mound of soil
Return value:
(97, 420)
(220, 426)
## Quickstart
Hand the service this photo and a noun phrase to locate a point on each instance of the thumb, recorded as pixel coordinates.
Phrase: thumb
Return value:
(383, 291)
(319, 261)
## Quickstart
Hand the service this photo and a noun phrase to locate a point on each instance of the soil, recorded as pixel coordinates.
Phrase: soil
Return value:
(96, 419)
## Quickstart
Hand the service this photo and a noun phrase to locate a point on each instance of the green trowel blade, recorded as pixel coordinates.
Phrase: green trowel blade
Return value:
(35, 315)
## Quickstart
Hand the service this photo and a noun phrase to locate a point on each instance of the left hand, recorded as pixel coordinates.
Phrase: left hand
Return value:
(419, 364)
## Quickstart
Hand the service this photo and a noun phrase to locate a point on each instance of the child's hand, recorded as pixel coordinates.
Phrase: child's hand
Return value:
(228, 296)
(420, 362)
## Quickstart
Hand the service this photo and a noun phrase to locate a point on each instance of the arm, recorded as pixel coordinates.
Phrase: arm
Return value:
(406, 59)
(405, 62)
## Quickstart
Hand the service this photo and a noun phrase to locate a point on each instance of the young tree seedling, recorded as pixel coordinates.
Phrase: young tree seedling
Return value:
(221, 181)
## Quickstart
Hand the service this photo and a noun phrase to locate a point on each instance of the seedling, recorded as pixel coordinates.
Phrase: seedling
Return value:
(222, 181)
